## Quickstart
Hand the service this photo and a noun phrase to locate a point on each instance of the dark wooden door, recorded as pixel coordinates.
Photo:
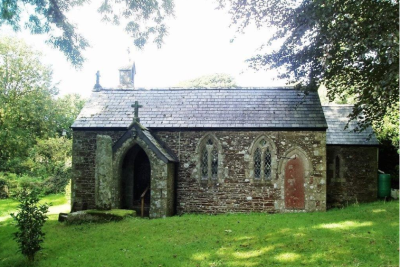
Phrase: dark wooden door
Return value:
(141, 175)
(294, 184)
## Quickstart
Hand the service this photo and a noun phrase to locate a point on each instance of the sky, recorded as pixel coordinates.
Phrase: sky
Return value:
(198, 44)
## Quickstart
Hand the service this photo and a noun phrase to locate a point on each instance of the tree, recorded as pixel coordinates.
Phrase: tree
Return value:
(30, 220)
(142, 19)
(50, 156)
(350, 46)
(30, 114)
(388, 128)
(67, 110)
(27, 110)
(343, 99)
(220, 80)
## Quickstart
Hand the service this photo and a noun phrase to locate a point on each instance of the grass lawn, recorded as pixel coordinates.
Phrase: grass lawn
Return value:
(361, 235)
(10, 205)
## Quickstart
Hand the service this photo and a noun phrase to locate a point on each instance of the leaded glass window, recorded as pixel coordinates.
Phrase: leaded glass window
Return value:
(267, 164)
(262, 160)
(209, 160)
(214, 164)
(257, 163)
(204, 164)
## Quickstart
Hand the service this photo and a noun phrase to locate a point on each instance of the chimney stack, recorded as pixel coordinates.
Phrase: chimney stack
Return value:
(127, 76)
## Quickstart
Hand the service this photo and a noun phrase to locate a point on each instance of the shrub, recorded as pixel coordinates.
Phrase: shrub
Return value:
(30, 219)
(55, 184)
(68, 191)
(3, 188)
(16, 182)
(50, 157)
(51, 185)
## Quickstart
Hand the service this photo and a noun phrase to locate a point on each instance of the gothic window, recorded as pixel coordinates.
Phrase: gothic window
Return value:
(262, 160)
(257, 163)
(209, 167)
(267, 164)
(204, 164)
(337, 167)
(214, 164)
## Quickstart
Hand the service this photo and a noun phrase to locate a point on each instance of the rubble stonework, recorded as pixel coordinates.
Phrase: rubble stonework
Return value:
(234, 193)
(83, 167)
(162, 193)
(201, 147)
(357, 181)
(84, 173)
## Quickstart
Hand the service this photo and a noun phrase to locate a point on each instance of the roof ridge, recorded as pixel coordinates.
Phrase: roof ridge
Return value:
(198, 89)
(338, 105)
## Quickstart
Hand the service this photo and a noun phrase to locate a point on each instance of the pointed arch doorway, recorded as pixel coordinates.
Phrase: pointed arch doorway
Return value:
(136, 180)
(294, 184)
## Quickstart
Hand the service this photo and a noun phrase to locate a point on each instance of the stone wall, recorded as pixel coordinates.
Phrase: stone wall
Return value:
(103, 172)
(83, 167)
(236, 191)
(161, 195)
(354, 177)
(84, 187)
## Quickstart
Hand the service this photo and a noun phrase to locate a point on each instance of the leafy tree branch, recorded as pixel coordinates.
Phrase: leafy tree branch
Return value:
(352, 47)
(143, 19)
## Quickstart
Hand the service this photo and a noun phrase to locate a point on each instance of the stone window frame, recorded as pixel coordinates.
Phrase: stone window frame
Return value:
(339, 179)
(272, 149)
(199, 152)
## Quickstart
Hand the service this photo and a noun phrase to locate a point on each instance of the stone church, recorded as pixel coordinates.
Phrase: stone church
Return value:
(172, 151)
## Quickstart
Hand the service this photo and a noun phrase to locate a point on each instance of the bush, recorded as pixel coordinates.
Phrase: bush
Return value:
(30, 219)
(3, 188)
(50, 157)
(51, 185)
(55, 184)
(16, 182)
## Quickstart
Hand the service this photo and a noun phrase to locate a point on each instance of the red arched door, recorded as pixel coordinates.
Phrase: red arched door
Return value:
(294, 184)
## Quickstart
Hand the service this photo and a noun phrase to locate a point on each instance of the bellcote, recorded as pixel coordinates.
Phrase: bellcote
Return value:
(127, 75)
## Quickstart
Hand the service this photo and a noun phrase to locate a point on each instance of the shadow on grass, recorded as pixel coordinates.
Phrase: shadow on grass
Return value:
(349, 237)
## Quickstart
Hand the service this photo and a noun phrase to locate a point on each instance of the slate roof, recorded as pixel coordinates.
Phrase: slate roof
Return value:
(203, 108)
(337, 118)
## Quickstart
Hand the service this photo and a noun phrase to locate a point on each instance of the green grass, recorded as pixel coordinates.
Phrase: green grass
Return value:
(7, 206)
(362, 235)
(10, 205)
(54, 199)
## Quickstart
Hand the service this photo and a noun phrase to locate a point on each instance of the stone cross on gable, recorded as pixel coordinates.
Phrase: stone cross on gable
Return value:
(98, 77)
(137, 106)
(97, 87)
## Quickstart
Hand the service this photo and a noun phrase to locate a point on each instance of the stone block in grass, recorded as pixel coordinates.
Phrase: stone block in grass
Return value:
(88, 216)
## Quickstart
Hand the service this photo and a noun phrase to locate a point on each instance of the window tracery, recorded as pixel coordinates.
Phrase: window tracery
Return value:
(263, 160)
(209, 159)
